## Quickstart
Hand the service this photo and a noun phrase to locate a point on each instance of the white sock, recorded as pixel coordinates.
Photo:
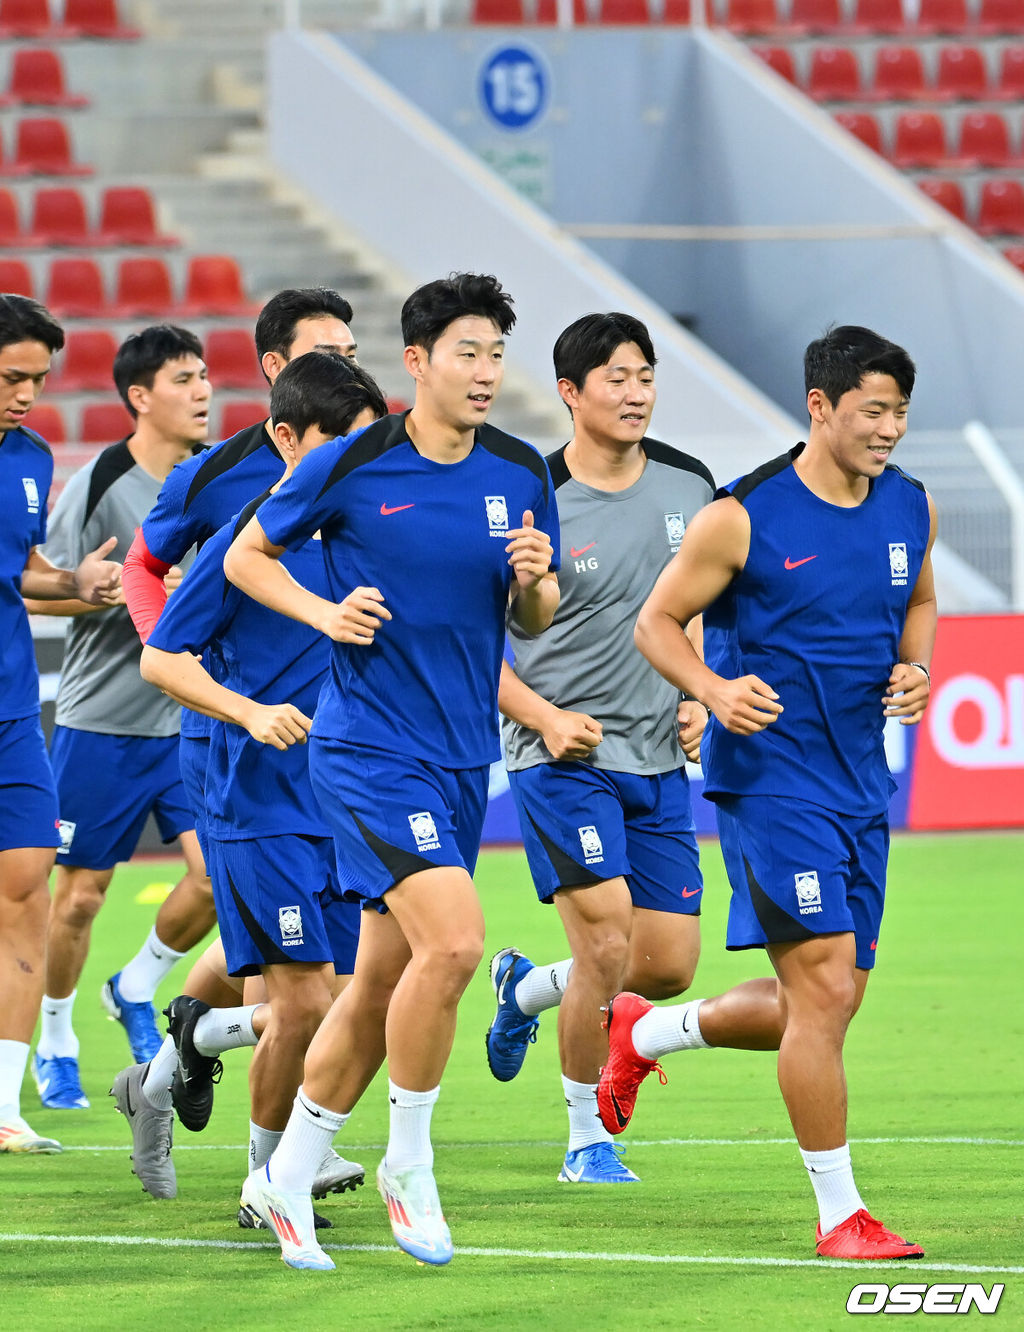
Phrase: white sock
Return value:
(262, 1145)
(304, 1143)
(156, 1085)
(139, 979)
(662, 1030)
(832, 1177)
(225, 1029)
(57, 1039)
(409, 1138)
(13, 1060)
(585, 1127)
(543, 987)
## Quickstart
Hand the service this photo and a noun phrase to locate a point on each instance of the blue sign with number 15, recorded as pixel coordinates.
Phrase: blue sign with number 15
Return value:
(514, 87)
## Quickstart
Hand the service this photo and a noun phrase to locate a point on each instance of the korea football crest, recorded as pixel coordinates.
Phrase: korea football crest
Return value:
(590, 843)
(808, 892)
(31, 493)
(497, 515)
(289, 919)
(66, 833)
(898, 565)
(675, 526)
(424, 831)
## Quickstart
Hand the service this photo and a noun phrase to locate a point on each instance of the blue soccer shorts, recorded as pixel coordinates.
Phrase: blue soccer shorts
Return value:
(193, 755)
(799, 870)
(393, 816)
(28, 811)
(278, 901)
(583, 825)
(107, 786)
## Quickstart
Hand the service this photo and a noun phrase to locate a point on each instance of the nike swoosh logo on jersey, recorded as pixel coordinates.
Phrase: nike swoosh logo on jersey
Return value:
(795, 564)
(397, 508)
(575, 554)
(621, 1119)
(690, 892)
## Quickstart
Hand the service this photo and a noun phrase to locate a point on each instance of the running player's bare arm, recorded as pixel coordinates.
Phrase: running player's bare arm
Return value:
(713, 551)
(567, 734)
(96, 581)
(910, 684)
(534, 598)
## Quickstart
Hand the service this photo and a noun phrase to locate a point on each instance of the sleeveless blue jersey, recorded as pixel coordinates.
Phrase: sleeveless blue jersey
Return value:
(817, 613)
(26, 469)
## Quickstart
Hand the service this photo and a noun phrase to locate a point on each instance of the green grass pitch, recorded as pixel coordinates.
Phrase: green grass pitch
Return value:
(718, 1236)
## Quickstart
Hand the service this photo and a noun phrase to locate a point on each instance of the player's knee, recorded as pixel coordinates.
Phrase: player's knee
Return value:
(668, 982)
(603, 956)
(456, 961)
(28, 892)
(81, 900)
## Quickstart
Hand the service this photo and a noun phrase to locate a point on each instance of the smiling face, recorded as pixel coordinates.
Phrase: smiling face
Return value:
(177, 406)
(23, 370)
(459, 378)
(615, 401)
(865, 425)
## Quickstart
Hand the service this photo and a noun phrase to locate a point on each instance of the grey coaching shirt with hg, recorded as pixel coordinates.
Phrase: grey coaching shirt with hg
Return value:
(614, 546)
(100, 685)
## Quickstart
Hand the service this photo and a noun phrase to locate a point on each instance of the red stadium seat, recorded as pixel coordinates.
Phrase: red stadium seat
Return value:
(96, 18)
(25, 18)
(942, 16)
(1015, 255)
(37, 79)
(496, 11)
(919, 140)
(59, 216)
(779, 58)
(814, 16)
(1010, 84)
(961, 73)
(128, 217)
(213, 286)
(675, 11)
(834, 75)
(48, 421)
(1001, 208)
(11, 234)
(75, 289)
(44, 148)
(898, 75)
(864, 126)
(879, 16)
(623, 11)
(105, 423)
(85, 363)
(231, 359)
(1001, 16)
(751, 16)
(143, 288)
(16, 277)
(237, 416)
(948, 194)
(985, 141)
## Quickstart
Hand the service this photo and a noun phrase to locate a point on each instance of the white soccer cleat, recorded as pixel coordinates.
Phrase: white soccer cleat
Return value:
(290, 1217)
(414, 1210)
(16, 1136)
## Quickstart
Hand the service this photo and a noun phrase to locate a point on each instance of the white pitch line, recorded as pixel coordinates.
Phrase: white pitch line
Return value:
(554, 1255)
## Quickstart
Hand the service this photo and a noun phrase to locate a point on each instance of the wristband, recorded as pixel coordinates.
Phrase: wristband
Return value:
(689, 698)
(921, 667)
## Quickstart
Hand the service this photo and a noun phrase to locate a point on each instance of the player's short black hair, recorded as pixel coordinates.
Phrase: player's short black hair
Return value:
(278, 320)
(431, 308)
(141, 355)
(24, 320)
(837, 362)
(589, 342)
(326, 390)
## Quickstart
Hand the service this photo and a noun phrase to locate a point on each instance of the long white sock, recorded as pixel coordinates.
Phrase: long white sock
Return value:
(585, 1127)
(141, 976)
(156, 1085)
(409, 1139)
(262, 1144)
(308, 1134)
(832, 1178)
(13, 1059)
(662, 1030)
(57, 1039)
(543, 987)
(225, 1029)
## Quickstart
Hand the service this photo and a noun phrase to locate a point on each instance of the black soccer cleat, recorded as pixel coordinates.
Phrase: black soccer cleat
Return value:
(194, 1078)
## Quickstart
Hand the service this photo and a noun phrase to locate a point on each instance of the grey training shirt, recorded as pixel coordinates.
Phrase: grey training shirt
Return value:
(100, 685)
(614, 546)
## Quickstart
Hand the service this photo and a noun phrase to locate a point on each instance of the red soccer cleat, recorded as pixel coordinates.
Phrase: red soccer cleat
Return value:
(861, 1236)
(625, 1070)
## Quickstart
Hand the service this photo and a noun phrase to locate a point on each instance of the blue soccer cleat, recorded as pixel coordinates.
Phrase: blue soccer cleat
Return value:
(60, 1087)
(597, 1164)
(512, 1032)
(138, 1020)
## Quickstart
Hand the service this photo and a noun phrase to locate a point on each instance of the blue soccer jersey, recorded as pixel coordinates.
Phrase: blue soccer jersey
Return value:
(817, 613)
(431, 536)
(200, 496)
(26, 470)
(252, 789)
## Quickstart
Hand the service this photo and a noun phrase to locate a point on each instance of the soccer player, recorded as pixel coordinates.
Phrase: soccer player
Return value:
(270, 852)
(814, 576)
(29, 335)
(114, 748)
(432, 523)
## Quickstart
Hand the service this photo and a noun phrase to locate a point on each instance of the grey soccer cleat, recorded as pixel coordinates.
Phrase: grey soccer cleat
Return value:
(152, 1133)
(336, 1175)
